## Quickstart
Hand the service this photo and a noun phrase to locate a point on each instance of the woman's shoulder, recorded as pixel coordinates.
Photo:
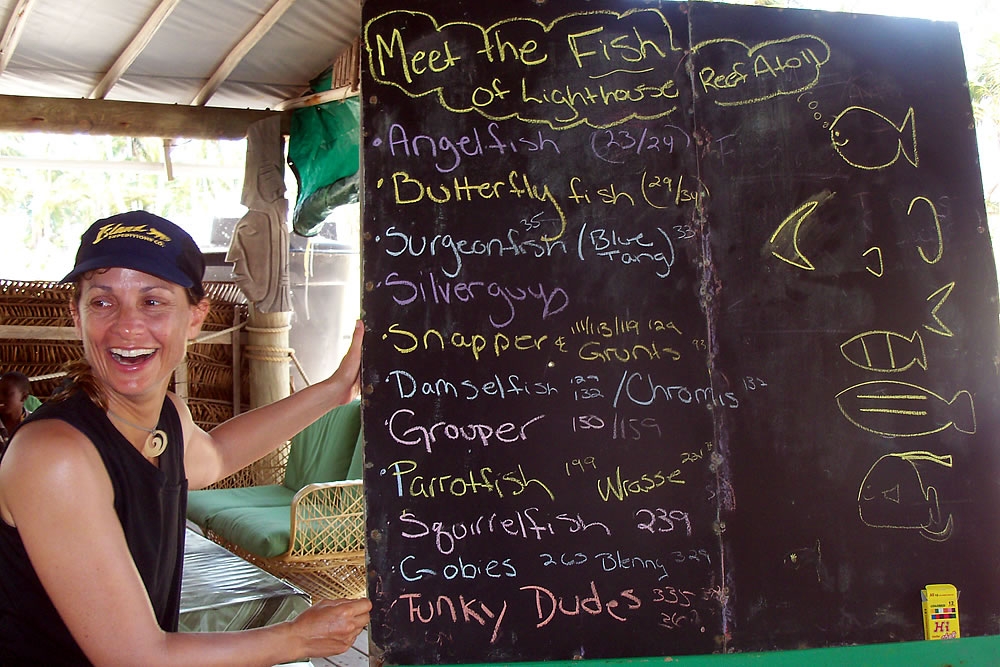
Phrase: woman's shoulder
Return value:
(47, 458)
(183, 412)
(53, 436)
(189, 429)
(49, 443)
(178, 403)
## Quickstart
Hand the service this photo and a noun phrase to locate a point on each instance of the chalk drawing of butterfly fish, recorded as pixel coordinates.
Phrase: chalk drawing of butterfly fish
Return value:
(894, 495)
(885, 351)
(900, 409)
(868, 140)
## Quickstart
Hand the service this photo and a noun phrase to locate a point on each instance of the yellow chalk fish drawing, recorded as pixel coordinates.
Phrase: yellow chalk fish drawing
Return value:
(894, 495)
(940, 327)
(900, 409)
(868, 140)
(939, 252)
(885, 351)
(784, 241)
(881, 264)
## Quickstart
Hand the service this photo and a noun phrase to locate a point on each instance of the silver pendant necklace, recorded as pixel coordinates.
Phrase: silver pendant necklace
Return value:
(156, 441)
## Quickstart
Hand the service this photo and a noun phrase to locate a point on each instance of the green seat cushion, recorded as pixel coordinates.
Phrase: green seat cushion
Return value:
(265, 531)
(322, 451)
(357, 467)
(203, 504)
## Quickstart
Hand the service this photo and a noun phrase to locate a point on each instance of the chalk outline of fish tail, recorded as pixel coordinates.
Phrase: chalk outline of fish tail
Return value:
(943, 329)
(934, 513)
(909, 119)
(972, 411)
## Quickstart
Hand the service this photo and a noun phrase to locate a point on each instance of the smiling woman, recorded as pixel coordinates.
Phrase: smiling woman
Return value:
(92, 572)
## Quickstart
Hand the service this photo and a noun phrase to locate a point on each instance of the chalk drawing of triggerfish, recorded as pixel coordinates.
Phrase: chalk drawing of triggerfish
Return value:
(900, 409)
(885, 351)
(868, 140)
(894, 495)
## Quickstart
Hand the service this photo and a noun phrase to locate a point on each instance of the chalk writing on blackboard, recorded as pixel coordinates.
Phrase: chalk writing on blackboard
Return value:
(751, 74)
(650, 295)
(623, 61)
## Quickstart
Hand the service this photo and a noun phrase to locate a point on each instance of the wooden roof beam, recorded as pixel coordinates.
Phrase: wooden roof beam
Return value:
(240, 51)
(135, 47)
(127, 119)
(13, 30)
(315, 99)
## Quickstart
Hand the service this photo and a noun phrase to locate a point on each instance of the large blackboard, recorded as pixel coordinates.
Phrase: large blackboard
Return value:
(682, 330)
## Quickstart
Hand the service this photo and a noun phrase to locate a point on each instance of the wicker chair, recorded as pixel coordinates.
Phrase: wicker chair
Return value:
(309, 529)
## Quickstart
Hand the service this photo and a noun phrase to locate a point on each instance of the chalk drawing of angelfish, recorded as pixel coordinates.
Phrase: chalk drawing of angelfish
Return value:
(885, 351)
(868, 140)
(900, 409)
(894, 495)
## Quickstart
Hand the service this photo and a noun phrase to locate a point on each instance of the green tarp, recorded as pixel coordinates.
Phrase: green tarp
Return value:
(323, 153)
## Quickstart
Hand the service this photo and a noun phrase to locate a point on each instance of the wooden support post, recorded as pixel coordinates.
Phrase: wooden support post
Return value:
(237, 365)
(268, 352)
(270, 377)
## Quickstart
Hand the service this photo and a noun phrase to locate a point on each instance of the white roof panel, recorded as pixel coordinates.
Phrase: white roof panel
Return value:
(66, 47)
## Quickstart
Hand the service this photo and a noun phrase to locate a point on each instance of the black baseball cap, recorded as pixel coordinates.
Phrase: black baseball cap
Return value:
(145, 242)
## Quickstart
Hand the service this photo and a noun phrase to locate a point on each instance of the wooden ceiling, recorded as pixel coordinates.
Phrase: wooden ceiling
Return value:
(171, 68)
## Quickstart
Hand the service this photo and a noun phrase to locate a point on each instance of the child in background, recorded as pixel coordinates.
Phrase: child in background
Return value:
(14, 390)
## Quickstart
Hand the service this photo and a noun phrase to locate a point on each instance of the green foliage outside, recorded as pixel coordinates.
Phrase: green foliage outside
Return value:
(53, 186)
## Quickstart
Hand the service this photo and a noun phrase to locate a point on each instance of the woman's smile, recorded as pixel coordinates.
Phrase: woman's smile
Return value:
(131, 357)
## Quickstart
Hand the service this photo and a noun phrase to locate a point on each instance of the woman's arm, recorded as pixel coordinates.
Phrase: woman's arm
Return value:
(210, 456)
(55, 490)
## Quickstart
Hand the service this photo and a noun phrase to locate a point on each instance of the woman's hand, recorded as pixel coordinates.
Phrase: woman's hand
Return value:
(331, 627)
(347, 378)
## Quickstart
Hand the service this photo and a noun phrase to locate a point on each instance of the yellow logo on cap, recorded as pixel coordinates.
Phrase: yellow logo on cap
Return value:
(144, 232)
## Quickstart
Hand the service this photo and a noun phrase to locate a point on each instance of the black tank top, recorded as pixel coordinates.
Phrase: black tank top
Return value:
(150, 503)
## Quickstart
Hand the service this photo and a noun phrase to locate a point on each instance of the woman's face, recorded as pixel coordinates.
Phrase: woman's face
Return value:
(134, 328)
